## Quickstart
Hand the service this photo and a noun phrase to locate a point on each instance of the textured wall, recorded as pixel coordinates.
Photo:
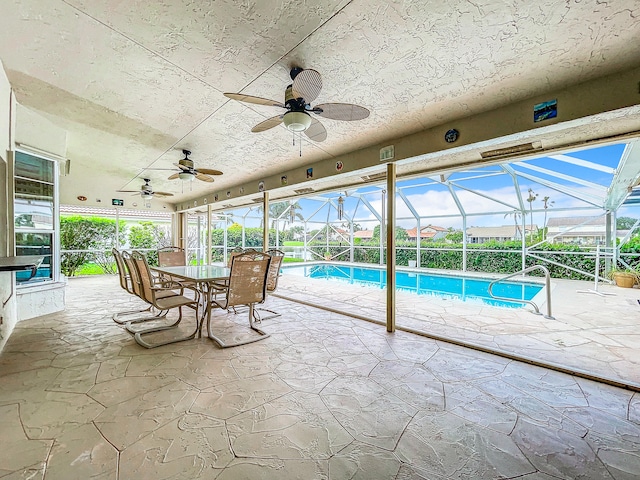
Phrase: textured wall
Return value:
(40, 300)
(7, 312)
(36, 131)
(33, 130)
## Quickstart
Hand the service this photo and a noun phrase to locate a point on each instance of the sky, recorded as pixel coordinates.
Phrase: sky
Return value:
(496, 197)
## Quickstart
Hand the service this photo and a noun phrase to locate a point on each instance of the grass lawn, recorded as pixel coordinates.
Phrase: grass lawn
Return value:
(291, 260)
(90, 269)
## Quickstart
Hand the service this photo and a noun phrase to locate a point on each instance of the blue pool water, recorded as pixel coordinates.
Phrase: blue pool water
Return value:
(447, 286)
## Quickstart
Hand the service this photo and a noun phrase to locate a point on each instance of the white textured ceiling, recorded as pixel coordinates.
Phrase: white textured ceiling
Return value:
(134, 82)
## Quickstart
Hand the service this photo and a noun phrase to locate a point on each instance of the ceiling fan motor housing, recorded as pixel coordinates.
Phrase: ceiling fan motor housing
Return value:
(293, 102)
(186, 162)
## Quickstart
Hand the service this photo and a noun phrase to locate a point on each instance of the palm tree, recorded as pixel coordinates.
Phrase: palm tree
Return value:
(277, 209)
(547, 204)
(516, 215)
(531, 198)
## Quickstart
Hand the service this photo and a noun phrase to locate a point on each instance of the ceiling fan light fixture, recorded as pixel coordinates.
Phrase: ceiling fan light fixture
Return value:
(297, 121)
(186, 176)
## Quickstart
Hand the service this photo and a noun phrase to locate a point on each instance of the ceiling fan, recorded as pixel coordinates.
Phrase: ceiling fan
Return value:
(305, 88)
(188, 172)
(146, 191)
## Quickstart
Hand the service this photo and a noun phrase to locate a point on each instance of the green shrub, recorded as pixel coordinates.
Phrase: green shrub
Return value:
(87, 233)
(490, 257)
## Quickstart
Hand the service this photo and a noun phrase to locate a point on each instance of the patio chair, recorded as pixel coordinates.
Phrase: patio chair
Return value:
(172, 257)
(233, 253)
(137, 285)
(127, 283)
(221, 287)
(272, 282)
(277, 256)
(247, 287)
(163, 296)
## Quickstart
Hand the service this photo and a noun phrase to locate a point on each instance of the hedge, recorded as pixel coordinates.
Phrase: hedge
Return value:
(494, 257)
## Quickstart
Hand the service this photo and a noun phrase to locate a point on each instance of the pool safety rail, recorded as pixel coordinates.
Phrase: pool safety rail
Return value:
(522, 272)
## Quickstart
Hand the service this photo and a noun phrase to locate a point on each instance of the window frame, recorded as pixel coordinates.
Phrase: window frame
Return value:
(54, 231)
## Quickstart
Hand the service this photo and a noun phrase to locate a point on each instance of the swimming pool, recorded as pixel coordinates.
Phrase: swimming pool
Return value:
(441, 285)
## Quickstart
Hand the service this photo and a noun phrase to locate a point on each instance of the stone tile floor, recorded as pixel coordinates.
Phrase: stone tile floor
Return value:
(597, 335)
(324, 397)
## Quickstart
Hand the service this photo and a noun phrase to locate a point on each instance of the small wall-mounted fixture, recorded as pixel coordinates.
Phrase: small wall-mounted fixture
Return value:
(387, 153)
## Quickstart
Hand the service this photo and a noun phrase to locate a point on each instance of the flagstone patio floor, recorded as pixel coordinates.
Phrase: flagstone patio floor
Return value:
(326, 396)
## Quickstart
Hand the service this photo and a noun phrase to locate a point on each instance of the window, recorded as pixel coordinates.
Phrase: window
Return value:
(35, 213)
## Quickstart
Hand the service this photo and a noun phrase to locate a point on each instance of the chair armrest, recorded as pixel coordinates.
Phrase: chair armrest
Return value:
(164, 286)
(196, 292)
(168, 284)
(222, 285)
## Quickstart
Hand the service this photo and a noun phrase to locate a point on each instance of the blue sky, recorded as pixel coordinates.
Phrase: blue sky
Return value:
(434, 201)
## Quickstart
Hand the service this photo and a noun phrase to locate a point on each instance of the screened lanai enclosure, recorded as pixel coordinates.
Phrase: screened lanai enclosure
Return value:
(573, 212)
(570, 219)
(573, 215)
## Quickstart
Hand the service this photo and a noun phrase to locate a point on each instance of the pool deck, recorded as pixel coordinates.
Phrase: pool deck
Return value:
(590, 334)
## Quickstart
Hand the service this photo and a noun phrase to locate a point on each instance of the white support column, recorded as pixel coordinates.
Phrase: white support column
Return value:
(351, 247)
(174, 229)
(610, 226)
(183, 240)
(523, 234)
(304, 234)
(199, 247)
(383, 223)
(209, 240)
(464, 242)
(117, 242)
(225, 243)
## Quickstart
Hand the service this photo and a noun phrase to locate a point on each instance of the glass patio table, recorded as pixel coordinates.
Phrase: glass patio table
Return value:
(205, 277)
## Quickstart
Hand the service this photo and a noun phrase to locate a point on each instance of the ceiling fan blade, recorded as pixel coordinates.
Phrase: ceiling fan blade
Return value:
(204, 177)
(209, 171)
(241, 97)
(128, 191)
(163, 194)
(316, 131)
(174, 176)
(307, 85)
(267, 124)
(182, 167)
(341, 111)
